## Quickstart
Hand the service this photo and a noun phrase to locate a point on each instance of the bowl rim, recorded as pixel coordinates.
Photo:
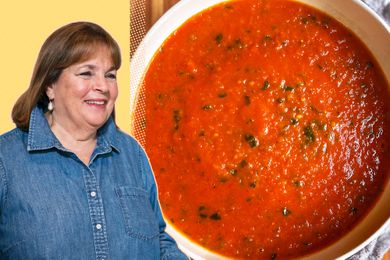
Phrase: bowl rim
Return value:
(158, 27)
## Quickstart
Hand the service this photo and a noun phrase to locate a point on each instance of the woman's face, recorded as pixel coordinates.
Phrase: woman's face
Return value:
(85, 93)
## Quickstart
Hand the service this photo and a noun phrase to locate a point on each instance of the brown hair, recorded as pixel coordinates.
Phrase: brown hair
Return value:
(68, 45)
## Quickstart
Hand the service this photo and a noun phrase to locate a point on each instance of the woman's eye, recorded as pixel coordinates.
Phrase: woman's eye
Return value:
(85, 74)
(111, 75)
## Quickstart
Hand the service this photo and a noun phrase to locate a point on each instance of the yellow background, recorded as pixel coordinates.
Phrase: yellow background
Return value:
(25, 25)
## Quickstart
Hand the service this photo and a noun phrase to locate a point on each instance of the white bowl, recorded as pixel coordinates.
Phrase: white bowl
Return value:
(353, 14)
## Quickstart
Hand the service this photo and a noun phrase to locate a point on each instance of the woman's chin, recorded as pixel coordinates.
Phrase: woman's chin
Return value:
(97, 121)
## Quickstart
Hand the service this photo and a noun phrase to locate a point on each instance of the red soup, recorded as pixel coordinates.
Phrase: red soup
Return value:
(267, 126)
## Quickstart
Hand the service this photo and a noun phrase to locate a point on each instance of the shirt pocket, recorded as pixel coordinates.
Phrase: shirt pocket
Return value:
(139, 217)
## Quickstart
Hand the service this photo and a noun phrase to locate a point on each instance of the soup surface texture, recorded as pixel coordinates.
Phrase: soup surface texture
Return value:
(267, 127)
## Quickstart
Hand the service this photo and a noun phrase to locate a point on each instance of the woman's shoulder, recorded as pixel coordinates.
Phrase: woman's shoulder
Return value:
(131, 145)
(126, 140)
(12, 137)
(12, 144)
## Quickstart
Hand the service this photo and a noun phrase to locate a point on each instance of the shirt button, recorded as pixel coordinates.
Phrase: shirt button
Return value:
(93, 194)
(98, 226)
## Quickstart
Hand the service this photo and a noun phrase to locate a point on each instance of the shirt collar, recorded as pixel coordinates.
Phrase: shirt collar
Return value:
(40, 136)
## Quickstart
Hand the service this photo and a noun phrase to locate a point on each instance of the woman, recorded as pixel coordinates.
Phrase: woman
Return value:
(73, 186)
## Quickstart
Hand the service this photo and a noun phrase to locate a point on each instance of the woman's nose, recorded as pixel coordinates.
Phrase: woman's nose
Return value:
(100, 84)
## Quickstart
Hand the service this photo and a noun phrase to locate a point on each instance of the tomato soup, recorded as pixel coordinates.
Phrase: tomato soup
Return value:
(267, 127)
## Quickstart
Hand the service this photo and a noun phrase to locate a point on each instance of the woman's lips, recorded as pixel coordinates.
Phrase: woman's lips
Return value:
(96, 102)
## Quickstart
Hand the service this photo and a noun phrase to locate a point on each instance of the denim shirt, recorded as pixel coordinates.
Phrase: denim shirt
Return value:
(53, 206)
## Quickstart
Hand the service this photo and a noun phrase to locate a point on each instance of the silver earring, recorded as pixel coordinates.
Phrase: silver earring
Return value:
(50, 106)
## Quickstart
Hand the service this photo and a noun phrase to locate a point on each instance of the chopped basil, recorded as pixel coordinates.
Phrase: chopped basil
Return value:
(309, 18)
(309, 134)
(215, 216)
(210, 67)
(177, 116)
(252, 141)
(233, 171)
(294, 121)
(207, 107)
(160, 97)
(243, 163)
(219, 38)
(280, 100)
(250, 121)
(197, 158)
(267, 38)
(325, 23)
(222, 94)
(247, 100)
(266, 85)
(298, 183)
(354, 211)
(223, 179)
(369, 65)
(286, 212)
(236, 44)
